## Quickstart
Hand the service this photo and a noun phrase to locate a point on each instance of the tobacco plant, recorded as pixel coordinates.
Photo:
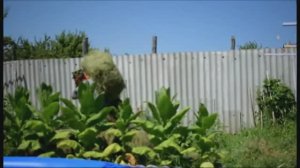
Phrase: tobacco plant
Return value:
(120, 134)
(202, 139)
(164, 131)
(28, 129)
(85, 124)
(174, 144)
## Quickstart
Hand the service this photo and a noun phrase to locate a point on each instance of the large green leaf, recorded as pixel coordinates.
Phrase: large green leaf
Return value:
(44, 95)
(63, 134)
(86, 99)
(100, 116)
(47, 154)
(35, 129)
(134, 116)
(35, 126)
(203, 111)
(76, 124)
(150, 127)
(68, 113)
(111, 149)
(22, 110)
(125, 110)
(170, 143)
(165, 162)
(99, 101)
(88, 136)
(34, 111)
(93, 154)
(68, 145)
(155, 112)
(31, 145)
(197, 129)
(189, 151)
(209, 121)
(121, 125)
(164, 105)
(174, 122)
(144, 151)
(35, 145)
(53, 98)
(129, 135)
(206, 165)
(69, 104)
(179, 116)
(113, 132)
(18, 102)
(25, 144)
(50, 111)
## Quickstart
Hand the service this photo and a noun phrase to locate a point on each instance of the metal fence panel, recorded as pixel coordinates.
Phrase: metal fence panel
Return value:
(226, 82)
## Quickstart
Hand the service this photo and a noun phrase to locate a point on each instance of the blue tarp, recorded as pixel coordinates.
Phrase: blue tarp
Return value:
(41, 162)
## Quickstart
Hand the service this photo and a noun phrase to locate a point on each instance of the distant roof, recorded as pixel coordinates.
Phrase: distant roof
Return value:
(289, 45)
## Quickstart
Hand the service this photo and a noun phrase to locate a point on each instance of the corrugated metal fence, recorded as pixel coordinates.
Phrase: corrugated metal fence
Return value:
(226, 82)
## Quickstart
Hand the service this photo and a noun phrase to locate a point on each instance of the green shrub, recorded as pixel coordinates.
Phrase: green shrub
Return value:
(276, 102)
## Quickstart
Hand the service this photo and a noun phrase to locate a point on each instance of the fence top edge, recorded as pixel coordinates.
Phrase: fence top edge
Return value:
(263, 51)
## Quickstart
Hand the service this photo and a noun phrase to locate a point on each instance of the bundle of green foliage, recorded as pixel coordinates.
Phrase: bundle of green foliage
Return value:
(102, 70)
(276, 102)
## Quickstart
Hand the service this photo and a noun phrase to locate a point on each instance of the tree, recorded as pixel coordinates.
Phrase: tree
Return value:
(250, 45)
(8, 48)
(65, 45)
(69, 44)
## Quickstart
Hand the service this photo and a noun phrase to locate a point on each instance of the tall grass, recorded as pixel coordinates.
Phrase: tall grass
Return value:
(271, 146)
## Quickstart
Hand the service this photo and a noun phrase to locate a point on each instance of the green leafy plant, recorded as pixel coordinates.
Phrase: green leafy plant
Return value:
(202, 139)
(276, 102)
(88, 120)
(29, 129)
(118, 137)
(87, 131)
(16, 112)
(164, 131)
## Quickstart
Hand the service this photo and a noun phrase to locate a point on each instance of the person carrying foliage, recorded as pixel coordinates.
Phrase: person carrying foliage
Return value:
(100, 68)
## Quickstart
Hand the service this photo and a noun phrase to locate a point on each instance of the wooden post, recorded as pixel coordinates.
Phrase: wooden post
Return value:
(154, 44)
(232, 42)
(85, 46)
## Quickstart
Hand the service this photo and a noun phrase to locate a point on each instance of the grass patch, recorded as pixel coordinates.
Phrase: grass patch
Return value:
(272, 146)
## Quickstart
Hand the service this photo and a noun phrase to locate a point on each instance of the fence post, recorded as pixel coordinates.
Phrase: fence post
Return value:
(154, 44)
(85, 46)
(232, 42)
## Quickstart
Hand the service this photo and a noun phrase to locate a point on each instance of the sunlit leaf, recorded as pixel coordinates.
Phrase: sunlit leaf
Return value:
(88, 136)
(206, 165)
(47, 154)
(111, 149)
(100, 116)
(144, 151)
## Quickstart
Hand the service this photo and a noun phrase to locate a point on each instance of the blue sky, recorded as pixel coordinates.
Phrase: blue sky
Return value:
(128, 26)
